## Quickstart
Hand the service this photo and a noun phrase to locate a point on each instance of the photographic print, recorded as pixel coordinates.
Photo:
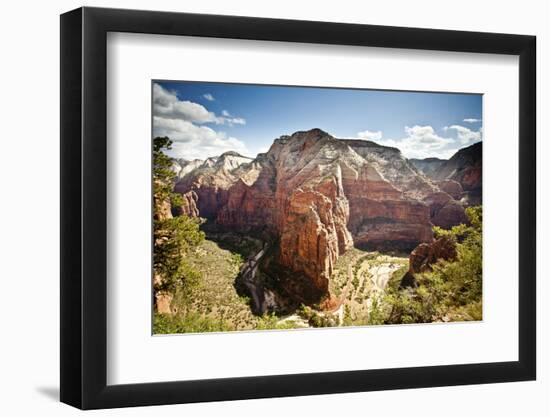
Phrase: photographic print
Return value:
(289, 207)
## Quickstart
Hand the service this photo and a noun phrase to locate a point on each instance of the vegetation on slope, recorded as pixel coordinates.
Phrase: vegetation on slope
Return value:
(200, 276)
(452, 291)
(174, 238)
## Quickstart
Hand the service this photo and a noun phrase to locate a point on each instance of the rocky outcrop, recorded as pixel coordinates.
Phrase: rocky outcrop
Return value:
(314, 232)
(183, 167)
(451, 214)
(425, 255)
(163, 302)
(444, 210)
(460, 176)
(465, 167)
(209, 183)
(189, 205)
(451, 187)
(316, 196)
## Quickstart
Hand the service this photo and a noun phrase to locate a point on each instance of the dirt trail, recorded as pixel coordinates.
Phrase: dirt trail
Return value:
(248, 274)
(381, 274)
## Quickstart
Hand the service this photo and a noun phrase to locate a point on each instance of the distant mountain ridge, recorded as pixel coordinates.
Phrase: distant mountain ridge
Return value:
(427, 165)
(228, 160)
(464, 168)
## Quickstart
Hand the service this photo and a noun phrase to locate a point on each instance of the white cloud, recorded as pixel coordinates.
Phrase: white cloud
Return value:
(209, 97)
(464, 135)
(471, 120)
(368, 135)
(235, 121)
(166, 104)
(192, 141)
(184, 123)
(422, 142)
(230, 120)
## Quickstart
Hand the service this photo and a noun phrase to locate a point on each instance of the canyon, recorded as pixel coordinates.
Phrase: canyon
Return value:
(460, 176)
(314, 197)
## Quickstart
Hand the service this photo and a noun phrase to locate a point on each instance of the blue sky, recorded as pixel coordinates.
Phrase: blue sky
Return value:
(206, 119)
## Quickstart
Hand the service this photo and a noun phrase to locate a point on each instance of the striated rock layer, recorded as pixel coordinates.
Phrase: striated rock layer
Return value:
(460, 176)
(317, 196)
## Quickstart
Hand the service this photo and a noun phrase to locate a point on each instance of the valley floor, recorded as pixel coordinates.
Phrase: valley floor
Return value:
(361, 277)
(217, 303)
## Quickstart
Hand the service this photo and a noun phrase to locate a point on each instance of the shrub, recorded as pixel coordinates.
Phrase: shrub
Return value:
(452, 290)
(376, 315)
(188, 323)
(271, 322)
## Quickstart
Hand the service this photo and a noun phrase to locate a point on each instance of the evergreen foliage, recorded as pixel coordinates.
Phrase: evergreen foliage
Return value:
(452, 290)
(173, 237)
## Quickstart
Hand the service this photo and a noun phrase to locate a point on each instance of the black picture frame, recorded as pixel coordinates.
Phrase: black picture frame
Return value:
(84, 207)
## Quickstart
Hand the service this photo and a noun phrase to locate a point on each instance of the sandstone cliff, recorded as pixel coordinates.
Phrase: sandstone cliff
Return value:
(204, 188)
(464, 169)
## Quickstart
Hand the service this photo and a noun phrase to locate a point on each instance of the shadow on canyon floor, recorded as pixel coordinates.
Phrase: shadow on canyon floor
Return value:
(261, 276)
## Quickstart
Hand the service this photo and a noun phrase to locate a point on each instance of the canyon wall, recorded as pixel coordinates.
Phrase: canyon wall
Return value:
(460, 176)
(317, 196)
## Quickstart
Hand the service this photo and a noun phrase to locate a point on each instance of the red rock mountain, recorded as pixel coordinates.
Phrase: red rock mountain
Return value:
(465, 167)
(316, 196)
(460, 176)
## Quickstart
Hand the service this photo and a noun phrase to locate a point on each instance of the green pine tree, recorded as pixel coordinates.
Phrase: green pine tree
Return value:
(174, 237)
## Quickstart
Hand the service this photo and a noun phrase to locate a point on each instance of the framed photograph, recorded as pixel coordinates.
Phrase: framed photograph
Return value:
(256, 208)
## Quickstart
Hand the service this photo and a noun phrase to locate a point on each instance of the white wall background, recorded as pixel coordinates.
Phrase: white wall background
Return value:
(29, 213)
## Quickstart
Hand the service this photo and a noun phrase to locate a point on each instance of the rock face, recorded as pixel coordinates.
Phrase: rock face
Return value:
(464, 168)
(182, 167)
(163, 301)
(316, 196)
(189, 206)
(386, 198)
(445, 211)
(209, 183)
(425, 255)
(451, 187)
